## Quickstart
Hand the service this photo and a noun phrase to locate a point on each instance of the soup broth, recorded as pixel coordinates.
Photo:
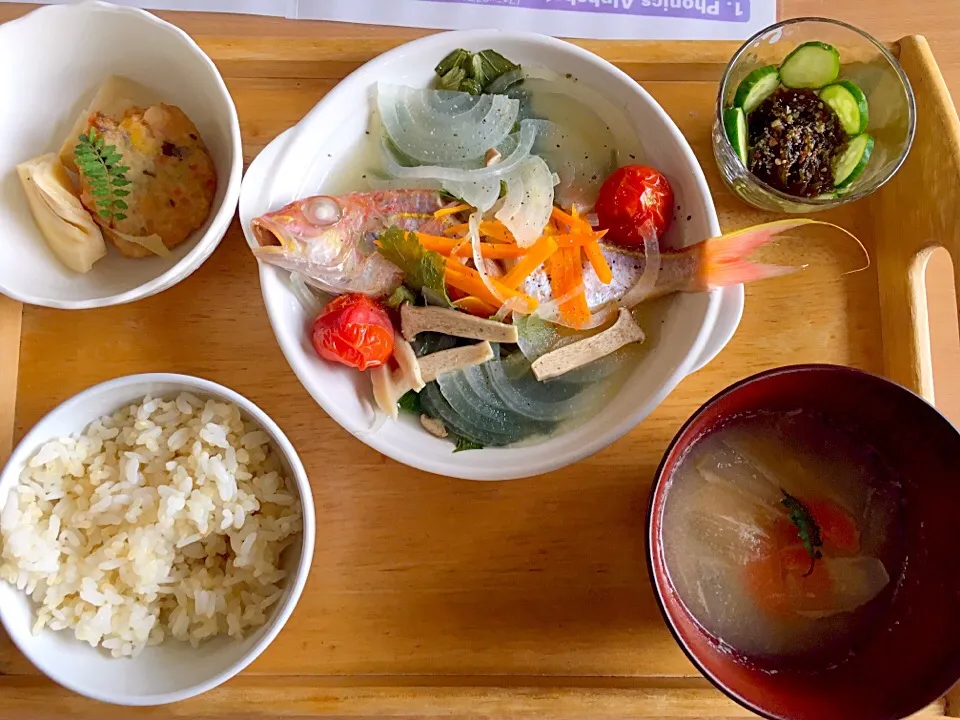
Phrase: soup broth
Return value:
(780, 536)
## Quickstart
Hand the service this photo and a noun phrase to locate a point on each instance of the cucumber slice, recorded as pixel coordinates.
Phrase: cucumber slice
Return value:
(756, 87)
(852, 161)
(811, 65)
(735, 125)
(850, 105)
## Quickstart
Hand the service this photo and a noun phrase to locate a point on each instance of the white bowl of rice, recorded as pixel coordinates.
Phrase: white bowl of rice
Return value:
(156, 532)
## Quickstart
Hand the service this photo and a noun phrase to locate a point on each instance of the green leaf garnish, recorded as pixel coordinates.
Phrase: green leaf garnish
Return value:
(399, 296)
(471, 86)
(410, 402)
(453, 60)
(466, 444)
(471, 72)
(452, 80)
(807, 529)
(98, 164)
(488, 65)
(423, 270)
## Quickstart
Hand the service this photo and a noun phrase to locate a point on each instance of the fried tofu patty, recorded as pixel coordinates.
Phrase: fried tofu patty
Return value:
(172, 176)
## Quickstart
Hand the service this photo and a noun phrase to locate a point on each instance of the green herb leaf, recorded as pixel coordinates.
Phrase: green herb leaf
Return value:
(453, 60)
(452, 79)
(98, 164)
(466, 444)
(493, 65)
(410, 402)
(471, 72)
(399, 296)
(471, 86)
(807, 529)
(423, 270)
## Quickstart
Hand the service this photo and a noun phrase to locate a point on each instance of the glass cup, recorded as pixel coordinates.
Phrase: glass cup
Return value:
(892, 108)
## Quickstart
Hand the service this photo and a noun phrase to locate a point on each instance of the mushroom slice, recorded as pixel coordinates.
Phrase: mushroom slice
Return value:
(433, 426)
(415, 320)
(583, 352)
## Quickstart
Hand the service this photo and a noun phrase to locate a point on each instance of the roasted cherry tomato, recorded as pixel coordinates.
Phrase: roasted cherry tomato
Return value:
(353, 330)
(632, 196)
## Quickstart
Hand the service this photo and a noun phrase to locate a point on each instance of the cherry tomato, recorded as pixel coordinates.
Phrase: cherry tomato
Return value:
(632, 196)
(353, 330)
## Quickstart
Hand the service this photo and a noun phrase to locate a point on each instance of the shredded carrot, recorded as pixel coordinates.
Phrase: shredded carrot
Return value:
(565, 269)
(455, 246)
(535, 257)
(489, 228)
(581, 234)
(453, 210)
(560, 216)
(469, 281)
(475, 306)
(578, 239)
(598, 261)
(497, 230)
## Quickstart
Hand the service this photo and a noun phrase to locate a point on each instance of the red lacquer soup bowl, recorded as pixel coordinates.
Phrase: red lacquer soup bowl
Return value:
(912, 657)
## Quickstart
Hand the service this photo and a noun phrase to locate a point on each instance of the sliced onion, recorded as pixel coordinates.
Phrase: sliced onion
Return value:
(515, 305)
(514, 382)
(513, 150)
(601, 315)
(437, 406)
(308, 299)
(535, 336)
(651, 268)
(473, 233)
(528, 202)
(482, 195)
(444, 127)
(550, 310)
(506, 81)
(582, 160)
(598, 370)
(485, 411)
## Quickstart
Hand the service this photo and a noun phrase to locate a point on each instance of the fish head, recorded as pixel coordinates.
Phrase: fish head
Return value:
(315, 232)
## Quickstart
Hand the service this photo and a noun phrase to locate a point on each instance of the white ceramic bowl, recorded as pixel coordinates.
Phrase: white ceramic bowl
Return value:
(51, 63)
(298, 163)
(173, 670)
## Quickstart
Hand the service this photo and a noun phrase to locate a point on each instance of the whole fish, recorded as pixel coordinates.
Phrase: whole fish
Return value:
(707, 265)
(330, 240)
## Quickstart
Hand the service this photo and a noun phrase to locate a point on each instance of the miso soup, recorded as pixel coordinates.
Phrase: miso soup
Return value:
(781, 537)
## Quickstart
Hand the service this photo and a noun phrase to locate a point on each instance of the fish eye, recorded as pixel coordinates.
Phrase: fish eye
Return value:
(321, 211)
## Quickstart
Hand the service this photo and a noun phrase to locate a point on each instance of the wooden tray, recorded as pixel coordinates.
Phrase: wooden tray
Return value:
(435, 597)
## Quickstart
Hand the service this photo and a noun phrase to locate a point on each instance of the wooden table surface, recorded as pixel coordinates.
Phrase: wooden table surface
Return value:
(885, 19)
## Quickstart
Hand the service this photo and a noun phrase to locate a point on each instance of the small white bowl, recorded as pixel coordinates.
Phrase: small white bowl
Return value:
(301, 162)
(172, 670)
(51, 63)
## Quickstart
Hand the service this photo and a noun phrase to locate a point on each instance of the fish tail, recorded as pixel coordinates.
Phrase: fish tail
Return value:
(725, 260)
